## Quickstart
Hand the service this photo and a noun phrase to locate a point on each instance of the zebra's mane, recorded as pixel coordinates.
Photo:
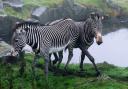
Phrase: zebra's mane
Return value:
(19, 24)
(56, 21)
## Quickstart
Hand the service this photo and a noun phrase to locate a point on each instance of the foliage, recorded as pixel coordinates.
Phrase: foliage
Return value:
(122, 3)
(97, 4)
(29, 5)
(48, 3)
(112, 77)
(24, 14)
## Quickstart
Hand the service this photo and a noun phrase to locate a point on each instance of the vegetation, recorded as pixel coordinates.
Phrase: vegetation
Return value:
(25, 14)
(122, 3)
(29, 5)
(112, 77)
(48, 3)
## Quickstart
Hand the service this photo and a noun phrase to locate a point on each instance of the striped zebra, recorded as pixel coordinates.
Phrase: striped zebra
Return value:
(88, 30)
(46, 39)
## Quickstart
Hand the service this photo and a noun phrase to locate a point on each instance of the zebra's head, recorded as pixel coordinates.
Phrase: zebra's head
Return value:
(96, 25)
(19, 39)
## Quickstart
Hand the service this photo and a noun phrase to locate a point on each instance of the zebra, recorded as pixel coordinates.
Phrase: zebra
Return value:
(46, 39)
(88, 30)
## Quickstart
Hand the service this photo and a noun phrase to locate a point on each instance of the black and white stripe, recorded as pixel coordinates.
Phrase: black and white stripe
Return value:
(87, 31)
(46, 39)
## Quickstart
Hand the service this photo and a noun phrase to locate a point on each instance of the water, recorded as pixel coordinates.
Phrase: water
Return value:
(114, 50)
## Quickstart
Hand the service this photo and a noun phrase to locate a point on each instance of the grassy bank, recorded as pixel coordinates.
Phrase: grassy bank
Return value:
(30, 4)
(112, 77)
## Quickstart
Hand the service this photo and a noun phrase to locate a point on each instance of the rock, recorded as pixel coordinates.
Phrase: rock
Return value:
(1, 39)
(6, 25)
(68, 9)
(116, 8)
(1, 6)
(16, 4)
(5, 48)
(9, 59)
(38, 12)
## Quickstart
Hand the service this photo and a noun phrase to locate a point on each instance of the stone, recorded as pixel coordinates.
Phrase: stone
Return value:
(67, 10)
(1, 6)
(38, 12)
(5, 48)
(16, 4)
(6, 25)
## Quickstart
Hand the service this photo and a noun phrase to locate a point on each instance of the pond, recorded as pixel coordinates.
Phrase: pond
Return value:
(114, 50)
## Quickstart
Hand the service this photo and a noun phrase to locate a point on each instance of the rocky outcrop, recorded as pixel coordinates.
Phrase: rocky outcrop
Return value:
(38, 12)
(16, 4)
(67, 9)
(6, 25)
(5, 48)
(1, 7)
(117, 10)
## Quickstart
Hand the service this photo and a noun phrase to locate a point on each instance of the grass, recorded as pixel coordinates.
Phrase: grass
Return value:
(30, 4)
(122, 3)
(97, 4)
(24, 14)
(112, 77)
(48, 3)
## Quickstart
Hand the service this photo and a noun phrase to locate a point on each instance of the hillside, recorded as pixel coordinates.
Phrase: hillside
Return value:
(101, 5)
(113, 77)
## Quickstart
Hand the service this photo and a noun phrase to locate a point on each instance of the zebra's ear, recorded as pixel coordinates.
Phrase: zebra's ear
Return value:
(92, 15)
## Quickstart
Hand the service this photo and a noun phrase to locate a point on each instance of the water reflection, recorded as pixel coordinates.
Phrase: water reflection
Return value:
(114, 50)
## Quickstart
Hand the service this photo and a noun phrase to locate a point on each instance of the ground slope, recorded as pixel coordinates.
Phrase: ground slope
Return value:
(112, 77)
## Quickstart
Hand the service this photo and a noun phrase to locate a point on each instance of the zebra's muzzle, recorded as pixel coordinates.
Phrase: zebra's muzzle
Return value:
(99, 38)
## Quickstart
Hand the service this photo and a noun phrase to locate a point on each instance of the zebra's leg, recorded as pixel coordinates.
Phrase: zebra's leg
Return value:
(50, 61)
(36, 58)
(69, 58)
(82, 60)
(56, 58)
(60, 58)
(22, 64)
(45, 54)
(93, 61)
(46, 64)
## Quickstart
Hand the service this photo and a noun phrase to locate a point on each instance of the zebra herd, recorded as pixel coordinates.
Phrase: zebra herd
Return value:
(57, 36)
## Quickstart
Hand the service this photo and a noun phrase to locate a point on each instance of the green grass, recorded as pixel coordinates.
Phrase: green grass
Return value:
(24, 14)
(48, 3)
(112, 77)
(122, 3)
(30, 4)
(99, 4)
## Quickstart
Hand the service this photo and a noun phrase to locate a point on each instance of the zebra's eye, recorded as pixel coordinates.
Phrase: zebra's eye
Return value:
(16, 40)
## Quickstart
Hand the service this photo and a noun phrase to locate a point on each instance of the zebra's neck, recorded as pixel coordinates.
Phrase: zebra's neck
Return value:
(86, 33)
(33, 38)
